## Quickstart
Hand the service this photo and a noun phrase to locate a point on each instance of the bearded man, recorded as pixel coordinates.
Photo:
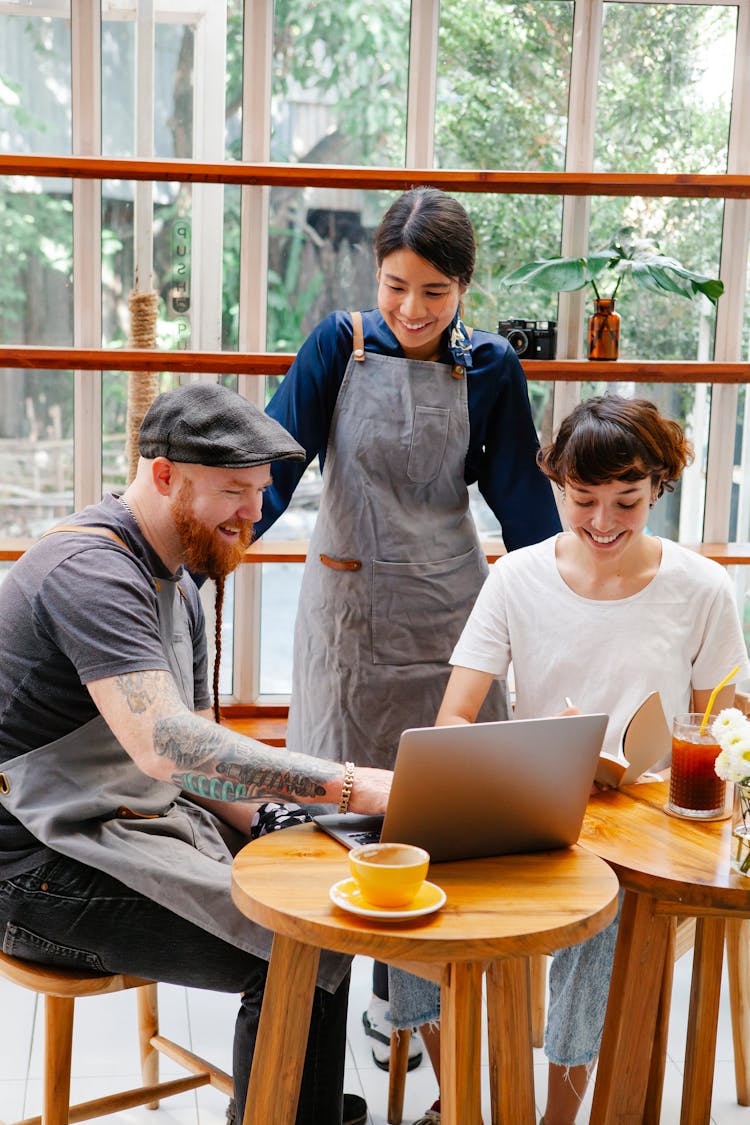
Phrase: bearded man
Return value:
(112, 858)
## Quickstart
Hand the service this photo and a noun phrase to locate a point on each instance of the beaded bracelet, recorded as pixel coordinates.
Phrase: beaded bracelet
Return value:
(346, 788)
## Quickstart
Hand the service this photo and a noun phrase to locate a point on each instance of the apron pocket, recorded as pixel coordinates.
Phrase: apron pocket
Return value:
(419, 608)
(428, 439)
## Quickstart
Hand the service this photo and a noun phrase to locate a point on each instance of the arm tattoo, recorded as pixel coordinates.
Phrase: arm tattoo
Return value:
(214, 762)
(143, 689)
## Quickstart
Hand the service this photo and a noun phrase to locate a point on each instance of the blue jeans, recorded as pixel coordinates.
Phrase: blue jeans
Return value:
(67, 914)
(578, 989)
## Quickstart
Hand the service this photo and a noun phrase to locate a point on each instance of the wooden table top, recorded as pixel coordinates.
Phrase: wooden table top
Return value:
(684, 862)
(501, 906)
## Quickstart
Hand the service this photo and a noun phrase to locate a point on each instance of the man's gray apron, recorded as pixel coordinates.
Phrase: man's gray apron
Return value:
(394, 564)
(84, 797)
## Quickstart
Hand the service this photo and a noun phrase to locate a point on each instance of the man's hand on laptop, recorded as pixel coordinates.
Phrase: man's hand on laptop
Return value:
(370, 789)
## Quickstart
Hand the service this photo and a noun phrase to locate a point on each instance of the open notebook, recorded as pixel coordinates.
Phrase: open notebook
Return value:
(646, 741)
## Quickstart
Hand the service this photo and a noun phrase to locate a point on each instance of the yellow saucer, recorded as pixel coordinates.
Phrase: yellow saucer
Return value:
(348, 896)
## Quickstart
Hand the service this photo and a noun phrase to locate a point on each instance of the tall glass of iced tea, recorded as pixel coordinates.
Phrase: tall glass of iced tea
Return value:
(694, 788)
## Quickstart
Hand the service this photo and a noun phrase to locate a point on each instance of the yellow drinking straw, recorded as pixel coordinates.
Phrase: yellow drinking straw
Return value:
(713, 695)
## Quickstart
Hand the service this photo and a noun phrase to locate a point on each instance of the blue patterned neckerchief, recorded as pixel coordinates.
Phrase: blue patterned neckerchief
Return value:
(459, 344)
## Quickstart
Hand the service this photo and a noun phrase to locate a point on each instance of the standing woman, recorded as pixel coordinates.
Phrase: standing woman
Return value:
(405, 407)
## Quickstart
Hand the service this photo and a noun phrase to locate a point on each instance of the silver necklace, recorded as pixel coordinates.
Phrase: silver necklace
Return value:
(130, 512)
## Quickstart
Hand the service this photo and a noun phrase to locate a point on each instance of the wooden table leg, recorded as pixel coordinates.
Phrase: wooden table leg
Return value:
(279, 1057)
(655, 1088)
(738, 968)
(509, 1025)
(703, 1020)
(630, 1022)
(460, 1044)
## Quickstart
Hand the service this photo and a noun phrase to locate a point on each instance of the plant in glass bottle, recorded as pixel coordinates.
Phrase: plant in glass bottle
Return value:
(625, 255)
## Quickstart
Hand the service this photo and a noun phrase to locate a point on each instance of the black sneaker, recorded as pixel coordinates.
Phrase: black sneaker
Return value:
(355, 1110)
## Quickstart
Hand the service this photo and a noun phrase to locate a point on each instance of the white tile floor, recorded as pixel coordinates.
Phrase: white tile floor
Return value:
(105, 1055)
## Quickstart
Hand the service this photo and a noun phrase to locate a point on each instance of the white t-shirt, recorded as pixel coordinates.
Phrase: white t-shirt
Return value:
(680, 632)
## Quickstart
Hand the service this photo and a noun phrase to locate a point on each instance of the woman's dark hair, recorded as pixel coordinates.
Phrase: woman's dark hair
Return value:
(433, 225)
(614, 438)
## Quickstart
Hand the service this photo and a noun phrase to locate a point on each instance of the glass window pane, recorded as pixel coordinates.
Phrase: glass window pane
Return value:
(339, 82)
(35, 81)
(281, 585)
(665, 88)
(36, 450)
(503, 78)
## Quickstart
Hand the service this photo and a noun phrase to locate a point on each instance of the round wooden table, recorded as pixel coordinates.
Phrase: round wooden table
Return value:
(499, 912)
(670, 868)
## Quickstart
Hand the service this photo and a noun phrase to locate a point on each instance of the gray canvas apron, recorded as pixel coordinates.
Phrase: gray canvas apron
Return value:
(394, 563)
(84, 797)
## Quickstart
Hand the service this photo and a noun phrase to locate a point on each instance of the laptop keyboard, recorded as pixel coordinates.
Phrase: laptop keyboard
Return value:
(365, 837)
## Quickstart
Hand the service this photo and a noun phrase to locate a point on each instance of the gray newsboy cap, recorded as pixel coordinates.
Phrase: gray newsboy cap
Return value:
(207, 424)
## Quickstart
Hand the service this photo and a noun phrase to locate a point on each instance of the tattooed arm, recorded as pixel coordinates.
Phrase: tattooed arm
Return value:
(170, 743)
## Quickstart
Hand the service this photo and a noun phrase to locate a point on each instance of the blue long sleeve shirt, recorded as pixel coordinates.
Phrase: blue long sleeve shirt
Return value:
(502, 444)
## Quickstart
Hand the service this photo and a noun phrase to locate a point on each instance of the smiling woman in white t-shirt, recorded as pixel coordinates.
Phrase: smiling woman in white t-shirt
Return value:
(604, 614)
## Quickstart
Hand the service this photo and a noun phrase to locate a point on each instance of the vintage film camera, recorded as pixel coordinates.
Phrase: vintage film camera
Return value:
(536, 339)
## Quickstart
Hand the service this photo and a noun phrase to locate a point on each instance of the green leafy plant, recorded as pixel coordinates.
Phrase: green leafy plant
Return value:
(625, 255)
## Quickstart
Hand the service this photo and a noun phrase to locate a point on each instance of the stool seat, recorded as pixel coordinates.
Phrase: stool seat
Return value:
(61, 988)
(49, 980)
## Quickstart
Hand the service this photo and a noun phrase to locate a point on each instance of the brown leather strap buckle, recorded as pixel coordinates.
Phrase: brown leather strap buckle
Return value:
(341, 564)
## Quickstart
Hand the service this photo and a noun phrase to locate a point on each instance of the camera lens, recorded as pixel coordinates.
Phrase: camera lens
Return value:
(518, 340)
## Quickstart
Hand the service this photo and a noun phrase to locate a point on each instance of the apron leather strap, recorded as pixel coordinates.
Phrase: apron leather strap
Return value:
(358, 343)
(87, 529)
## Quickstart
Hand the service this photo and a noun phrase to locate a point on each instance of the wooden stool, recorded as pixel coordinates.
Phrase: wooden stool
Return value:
(61, 988)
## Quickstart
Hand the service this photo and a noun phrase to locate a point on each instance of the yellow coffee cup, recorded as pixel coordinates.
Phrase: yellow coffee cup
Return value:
(389, 875)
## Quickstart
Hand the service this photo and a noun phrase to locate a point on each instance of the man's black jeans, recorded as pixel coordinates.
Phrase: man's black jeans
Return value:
(67, 914)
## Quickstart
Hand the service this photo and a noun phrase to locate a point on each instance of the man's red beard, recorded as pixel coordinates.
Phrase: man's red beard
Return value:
(204, 551)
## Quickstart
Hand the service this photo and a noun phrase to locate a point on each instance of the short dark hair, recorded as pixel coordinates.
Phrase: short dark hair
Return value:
(614, 438)
(433, 225)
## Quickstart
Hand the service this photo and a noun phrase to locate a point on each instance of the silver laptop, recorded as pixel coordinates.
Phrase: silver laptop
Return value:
(485, 789)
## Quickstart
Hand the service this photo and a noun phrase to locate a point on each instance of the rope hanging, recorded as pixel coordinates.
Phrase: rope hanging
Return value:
(143, 386)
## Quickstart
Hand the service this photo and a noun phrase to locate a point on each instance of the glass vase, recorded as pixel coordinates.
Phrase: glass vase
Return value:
(740, 847)
(604, 330)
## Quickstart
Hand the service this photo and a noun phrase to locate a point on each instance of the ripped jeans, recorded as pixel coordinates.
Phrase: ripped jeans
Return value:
(578, 988)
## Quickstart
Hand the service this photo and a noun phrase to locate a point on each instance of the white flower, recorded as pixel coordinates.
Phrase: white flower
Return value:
(728, 720)
(731, 729)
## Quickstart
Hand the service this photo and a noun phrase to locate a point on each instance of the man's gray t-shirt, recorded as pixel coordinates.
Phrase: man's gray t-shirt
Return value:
(73, 610)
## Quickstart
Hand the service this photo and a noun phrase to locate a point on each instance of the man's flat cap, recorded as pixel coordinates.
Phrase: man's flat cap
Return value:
(207, 424)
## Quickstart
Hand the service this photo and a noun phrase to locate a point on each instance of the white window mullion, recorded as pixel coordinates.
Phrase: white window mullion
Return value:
(87, 300)
(579, 157)
(208, 199)
(420, 104)
(734, 255)
(256, 147)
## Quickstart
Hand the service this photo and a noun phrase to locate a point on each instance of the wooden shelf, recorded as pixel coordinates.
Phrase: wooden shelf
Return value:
(295, 551)
(675, 185)
(269, 363)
